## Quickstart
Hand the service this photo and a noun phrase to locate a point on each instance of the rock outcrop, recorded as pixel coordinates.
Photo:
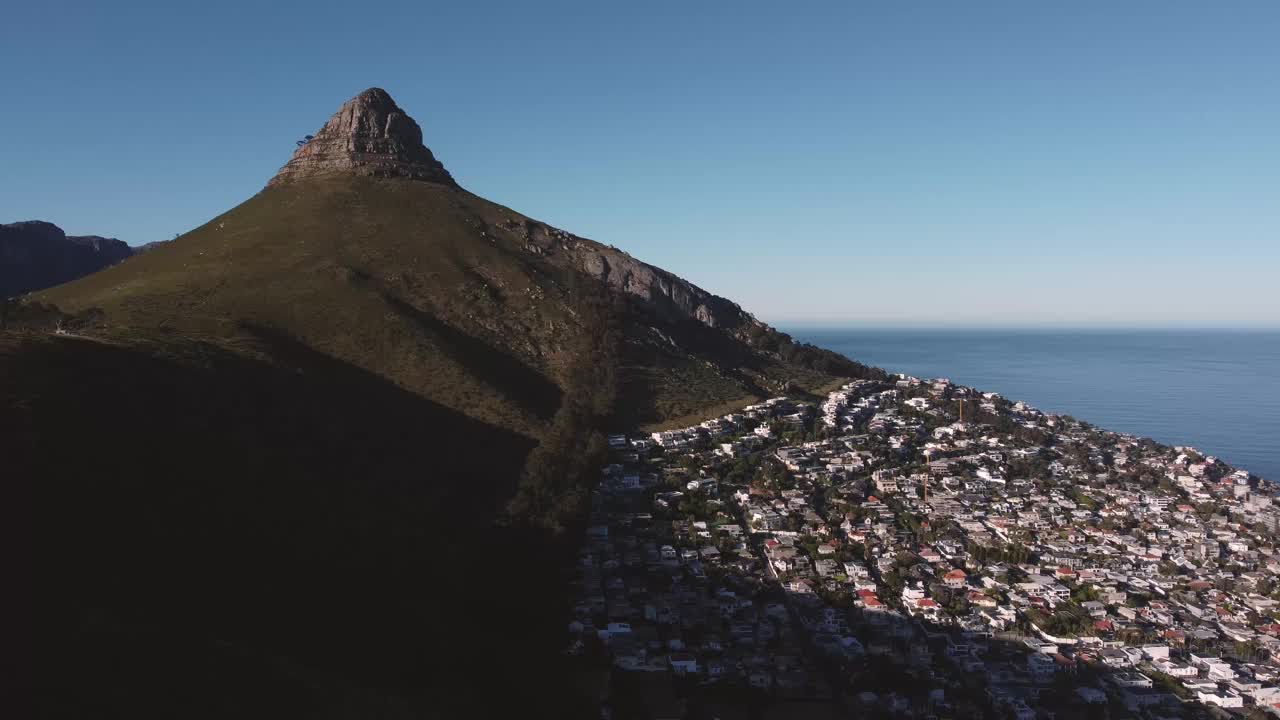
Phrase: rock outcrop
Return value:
(655, 285)
(35, 255)
(624, 273)
(369, 135)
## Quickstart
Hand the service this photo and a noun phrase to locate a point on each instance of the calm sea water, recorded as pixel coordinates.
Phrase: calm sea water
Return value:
(1217, 390)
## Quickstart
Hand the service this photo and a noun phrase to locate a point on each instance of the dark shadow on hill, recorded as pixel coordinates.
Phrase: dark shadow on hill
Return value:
(912, 668)
(517, 381)
(909, 667)
(710, 366)
(217, 536)
(986, 675)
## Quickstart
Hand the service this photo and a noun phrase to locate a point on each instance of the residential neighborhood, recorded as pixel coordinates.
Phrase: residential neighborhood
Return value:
(915, 548)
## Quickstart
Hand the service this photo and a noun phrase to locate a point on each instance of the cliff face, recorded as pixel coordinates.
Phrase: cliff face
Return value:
(655, 285)
(35, 255)
(624, 273)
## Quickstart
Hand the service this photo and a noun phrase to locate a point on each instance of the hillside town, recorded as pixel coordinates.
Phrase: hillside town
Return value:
(915, 548)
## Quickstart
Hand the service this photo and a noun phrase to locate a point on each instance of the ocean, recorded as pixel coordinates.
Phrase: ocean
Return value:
(1216, 390)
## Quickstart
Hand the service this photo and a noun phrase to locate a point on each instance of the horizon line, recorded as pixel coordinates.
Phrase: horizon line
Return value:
(929, 325)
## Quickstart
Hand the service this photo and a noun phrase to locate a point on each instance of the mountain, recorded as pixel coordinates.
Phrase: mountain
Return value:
(35, 255)
(323, 450)
(364, 248)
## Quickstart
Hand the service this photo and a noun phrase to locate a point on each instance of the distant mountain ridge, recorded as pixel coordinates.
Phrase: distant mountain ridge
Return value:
(35, 254)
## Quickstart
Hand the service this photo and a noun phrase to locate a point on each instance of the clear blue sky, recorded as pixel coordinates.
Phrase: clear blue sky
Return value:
(968, 163)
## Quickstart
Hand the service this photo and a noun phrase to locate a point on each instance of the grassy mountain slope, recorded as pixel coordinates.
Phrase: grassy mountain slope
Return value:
(437, 290)
(388, 275)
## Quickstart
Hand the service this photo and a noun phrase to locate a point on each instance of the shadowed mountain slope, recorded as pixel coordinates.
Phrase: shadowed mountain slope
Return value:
(217, 536)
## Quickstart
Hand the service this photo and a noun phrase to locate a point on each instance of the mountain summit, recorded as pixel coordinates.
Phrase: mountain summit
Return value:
(369, 135)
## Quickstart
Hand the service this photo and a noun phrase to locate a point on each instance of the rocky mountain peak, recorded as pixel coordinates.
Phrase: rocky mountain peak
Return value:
(369, 135)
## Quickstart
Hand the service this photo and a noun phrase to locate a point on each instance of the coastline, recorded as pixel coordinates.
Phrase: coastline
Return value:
(1210, 389)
